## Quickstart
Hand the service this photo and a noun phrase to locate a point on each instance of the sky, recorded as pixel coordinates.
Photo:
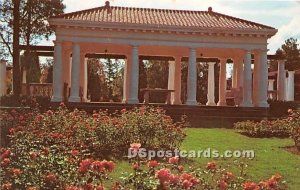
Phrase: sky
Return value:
(282, 15)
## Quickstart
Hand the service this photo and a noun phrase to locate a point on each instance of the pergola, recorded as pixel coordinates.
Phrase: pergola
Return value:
(180, 34)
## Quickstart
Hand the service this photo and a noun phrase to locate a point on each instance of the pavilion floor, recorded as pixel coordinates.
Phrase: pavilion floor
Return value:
(198, 116)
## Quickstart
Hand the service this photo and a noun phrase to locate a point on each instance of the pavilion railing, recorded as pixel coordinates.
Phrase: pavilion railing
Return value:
(37, 89)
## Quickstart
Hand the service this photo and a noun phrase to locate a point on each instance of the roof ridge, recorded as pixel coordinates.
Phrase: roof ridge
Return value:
(147, 8)
(240, 19)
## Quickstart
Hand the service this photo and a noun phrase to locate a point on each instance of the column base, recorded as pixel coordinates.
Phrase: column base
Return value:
(56, 99)
(191, 102)
(246, 104)
(221, 103)
(133, 101)
(74, 99)
(211, 104)
(177, 102)
(262, 104)
(124, 101)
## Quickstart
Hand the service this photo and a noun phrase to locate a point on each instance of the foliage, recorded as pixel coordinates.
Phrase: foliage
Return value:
(30, 62)
(148, 175)
(291, 53)
(286, 127)
(41, 102)
(34, 15)
(105, 80)
(53, 143)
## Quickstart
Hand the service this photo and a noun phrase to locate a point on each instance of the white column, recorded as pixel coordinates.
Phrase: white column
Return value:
(256, 71)
(262, 80)
(126, 80)
(57, 73)
(171, 78)
(271, 84)
(240, 73)
(83, 76)
(281, 81)
(291, 86)
(67, 67)
(211, 85)
(247, 86)
(234, 74)
(85, 79)
(24, 76)
(75, 79)
(222, 83)
(134, 76)
(192, 78)
(2, 77)
(177, 82)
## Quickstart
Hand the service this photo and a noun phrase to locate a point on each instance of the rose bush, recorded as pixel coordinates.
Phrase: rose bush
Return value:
(171, 175)
(283, 128)
(46, 149)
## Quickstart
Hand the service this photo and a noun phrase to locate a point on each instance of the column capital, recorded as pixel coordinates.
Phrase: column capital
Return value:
(192, 49)
(211, 63)
(281, 61)
(248, 50)
(292, 72)
(134, 46)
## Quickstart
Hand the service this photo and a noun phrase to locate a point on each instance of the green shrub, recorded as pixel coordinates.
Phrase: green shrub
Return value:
(282, 128)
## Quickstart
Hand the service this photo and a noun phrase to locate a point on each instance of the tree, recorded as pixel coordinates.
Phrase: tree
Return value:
(26, 21)
(291, 53)
(16, 54)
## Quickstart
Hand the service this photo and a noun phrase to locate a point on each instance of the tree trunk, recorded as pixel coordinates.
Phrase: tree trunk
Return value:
(16, 50)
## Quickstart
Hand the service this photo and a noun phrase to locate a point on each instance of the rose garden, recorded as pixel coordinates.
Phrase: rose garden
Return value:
(63, 149)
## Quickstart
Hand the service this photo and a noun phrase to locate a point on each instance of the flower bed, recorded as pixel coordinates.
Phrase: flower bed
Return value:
(53, 142)
(282, 128)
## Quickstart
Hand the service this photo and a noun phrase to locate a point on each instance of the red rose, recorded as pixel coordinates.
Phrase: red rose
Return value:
(135, 166)
(46, 151)
(99, 187)
(152, 164)
(173, 160)
(180, 168)
(33, 155)
(5, 154)
(108, 165)
(50, 177)
(84, 165)
(163, 174)
(174, 179)
(72, 188)
(97, 166)
(135, 146)
(16, 172)
(276, 177)
(5, 162)
(186, 184)
(250, 186)
(263, 184)
(223, 185)
(115, 186)
(272, 184)
(75, 152)
(89, 186)
(6, 186)
(211, 166)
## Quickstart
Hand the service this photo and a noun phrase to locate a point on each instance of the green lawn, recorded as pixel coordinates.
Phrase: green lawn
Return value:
(269, 157)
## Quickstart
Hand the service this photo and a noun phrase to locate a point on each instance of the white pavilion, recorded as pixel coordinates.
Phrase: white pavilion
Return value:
(133, 32)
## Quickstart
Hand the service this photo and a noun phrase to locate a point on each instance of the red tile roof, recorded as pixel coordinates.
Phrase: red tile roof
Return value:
(162, 18)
